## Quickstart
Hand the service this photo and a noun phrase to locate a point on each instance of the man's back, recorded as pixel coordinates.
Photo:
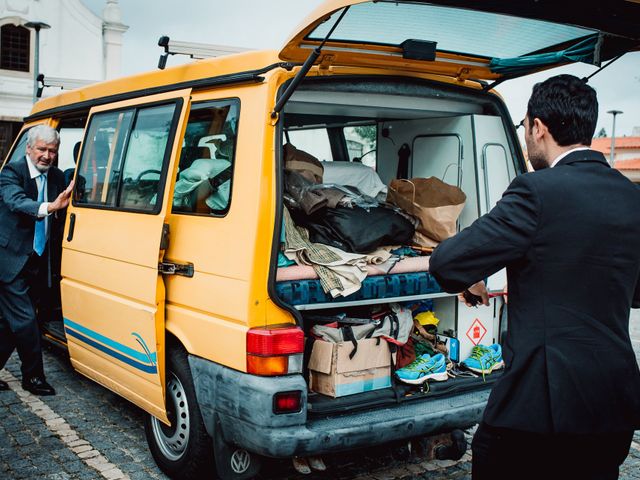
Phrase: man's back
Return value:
(570, 239)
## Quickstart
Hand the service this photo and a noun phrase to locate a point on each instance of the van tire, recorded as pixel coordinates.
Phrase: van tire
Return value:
(184, 450)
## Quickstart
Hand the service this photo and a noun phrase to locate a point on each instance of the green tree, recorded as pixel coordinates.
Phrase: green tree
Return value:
(601, 134)
(367, 132)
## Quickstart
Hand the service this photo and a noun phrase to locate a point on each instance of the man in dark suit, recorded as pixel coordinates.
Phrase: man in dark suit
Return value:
(32, 200)
(569, 236)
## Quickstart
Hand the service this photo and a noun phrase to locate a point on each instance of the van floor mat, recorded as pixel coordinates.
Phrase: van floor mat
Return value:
(318, 404)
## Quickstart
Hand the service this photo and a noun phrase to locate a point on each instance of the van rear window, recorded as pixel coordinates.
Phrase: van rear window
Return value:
(455, 30)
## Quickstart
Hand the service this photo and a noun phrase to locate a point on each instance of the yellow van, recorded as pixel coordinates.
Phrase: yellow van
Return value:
(172, 293)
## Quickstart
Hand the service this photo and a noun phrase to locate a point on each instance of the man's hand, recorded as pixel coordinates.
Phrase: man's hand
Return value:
(63, 199)
(479, 290)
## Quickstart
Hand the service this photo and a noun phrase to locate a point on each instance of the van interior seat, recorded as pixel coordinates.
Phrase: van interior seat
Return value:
(193, 188)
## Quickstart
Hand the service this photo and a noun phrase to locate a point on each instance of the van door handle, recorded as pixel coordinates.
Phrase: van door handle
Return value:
(72, 225)
(171, 268)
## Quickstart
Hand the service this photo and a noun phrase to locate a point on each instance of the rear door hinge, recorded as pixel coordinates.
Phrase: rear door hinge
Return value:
(463, 74)
(325, 64)
(170, 268)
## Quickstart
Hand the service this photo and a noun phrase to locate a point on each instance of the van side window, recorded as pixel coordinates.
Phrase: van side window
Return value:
(20, 149)
(123, 158)
(71, 132)
(314, 141)
(205, 171)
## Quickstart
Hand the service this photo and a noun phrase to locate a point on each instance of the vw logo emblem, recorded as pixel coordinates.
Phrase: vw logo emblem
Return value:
(240, 461)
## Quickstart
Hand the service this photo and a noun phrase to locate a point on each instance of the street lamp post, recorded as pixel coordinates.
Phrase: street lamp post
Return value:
(37, 26)
(613, 135)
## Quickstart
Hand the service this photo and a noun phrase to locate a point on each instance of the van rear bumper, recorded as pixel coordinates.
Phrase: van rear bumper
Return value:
(241, 406)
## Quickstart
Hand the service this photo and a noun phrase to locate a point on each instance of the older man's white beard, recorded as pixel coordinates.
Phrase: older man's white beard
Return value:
(42, 168)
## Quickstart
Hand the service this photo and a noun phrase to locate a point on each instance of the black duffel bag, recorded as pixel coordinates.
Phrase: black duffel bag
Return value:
(357, 229)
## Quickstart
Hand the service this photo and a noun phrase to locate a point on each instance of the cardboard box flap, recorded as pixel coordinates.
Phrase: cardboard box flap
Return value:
(321, 356)
(370, 354)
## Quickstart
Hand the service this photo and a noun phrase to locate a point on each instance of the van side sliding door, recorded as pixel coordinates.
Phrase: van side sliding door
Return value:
(112, 293)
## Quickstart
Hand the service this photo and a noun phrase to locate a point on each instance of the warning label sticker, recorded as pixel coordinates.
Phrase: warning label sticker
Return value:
(476, 332)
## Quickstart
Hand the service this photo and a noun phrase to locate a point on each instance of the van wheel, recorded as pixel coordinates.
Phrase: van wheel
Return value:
(183, 450)
(232, 462)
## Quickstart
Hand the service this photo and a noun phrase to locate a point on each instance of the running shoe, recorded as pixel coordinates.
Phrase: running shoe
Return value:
(424, 368)
(485, 359)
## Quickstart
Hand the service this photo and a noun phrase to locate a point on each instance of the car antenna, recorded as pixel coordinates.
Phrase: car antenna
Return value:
(306, 66)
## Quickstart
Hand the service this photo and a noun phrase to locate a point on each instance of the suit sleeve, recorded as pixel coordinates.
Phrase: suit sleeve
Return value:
(13, 193)
(494, 240)
(636, 296)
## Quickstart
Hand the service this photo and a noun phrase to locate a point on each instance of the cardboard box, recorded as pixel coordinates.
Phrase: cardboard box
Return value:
(333, 373)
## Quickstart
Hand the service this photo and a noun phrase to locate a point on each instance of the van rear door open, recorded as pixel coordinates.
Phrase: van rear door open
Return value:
(466, 39)
(115, 328)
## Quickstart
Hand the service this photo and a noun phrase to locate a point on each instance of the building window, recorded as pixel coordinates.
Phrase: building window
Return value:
(14, 48)
(8, 133)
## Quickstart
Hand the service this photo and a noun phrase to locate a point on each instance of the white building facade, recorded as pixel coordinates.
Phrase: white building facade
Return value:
(78, 48)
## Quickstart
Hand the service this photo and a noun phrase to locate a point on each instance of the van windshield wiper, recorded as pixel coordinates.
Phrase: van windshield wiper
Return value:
(306, 66)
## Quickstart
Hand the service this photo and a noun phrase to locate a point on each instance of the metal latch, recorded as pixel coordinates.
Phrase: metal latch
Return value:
(169, 268)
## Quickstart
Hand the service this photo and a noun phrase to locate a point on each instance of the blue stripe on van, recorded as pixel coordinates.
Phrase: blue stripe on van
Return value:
(119, 347)
(113, 353)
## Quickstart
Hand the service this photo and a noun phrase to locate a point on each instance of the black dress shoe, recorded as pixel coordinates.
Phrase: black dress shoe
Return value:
(4, 385)
(38, 386)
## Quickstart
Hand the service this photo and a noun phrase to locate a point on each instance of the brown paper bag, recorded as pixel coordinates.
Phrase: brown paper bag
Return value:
(434, 203)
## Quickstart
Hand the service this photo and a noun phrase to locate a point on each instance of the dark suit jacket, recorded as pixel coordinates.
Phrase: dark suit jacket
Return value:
(570, 239)
(18, 214)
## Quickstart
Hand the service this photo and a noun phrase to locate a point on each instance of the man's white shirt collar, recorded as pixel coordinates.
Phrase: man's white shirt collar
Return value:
(561, 156)
(33, 171)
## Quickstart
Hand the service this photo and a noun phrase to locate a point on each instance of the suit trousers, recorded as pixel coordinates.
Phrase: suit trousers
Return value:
(504, 454)
(18, 325)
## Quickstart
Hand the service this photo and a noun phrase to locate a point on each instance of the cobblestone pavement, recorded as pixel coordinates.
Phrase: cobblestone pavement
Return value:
(87, 432)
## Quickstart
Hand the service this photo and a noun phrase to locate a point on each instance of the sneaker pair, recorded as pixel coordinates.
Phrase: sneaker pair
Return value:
(485, 359)
(424, 368)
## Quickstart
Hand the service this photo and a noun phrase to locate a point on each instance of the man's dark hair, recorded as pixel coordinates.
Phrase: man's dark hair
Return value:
(567, 106)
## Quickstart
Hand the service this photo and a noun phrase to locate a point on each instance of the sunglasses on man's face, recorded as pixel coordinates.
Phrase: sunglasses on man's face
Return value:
(521, 124)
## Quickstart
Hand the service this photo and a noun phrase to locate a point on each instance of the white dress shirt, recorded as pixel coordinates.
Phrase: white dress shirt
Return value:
(34, 173)
(562, 155)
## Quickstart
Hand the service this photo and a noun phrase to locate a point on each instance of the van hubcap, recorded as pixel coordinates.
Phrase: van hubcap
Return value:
(173, 440)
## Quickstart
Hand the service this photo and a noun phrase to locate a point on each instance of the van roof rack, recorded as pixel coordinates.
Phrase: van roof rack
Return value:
(60, 82)
(193, 50)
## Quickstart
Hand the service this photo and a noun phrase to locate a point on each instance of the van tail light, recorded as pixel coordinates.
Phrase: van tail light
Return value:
(287, 402)
(275, 351)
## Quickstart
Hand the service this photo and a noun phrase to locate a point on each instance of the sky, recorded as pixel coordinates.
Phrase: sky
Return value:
(268, 24)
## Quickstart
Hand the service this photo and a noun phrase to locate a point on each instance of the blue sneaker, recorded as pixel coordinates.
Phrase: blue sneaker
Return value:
(424, 368)
(485, 359)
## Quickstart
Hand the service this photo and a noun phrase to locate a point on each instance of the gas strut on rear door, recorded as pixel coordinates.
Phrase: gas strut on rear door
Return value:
(306, 66)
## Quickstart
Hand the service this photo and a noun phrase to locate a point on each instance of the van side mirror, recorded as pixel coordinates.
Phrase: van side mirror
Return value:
(163, 42)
